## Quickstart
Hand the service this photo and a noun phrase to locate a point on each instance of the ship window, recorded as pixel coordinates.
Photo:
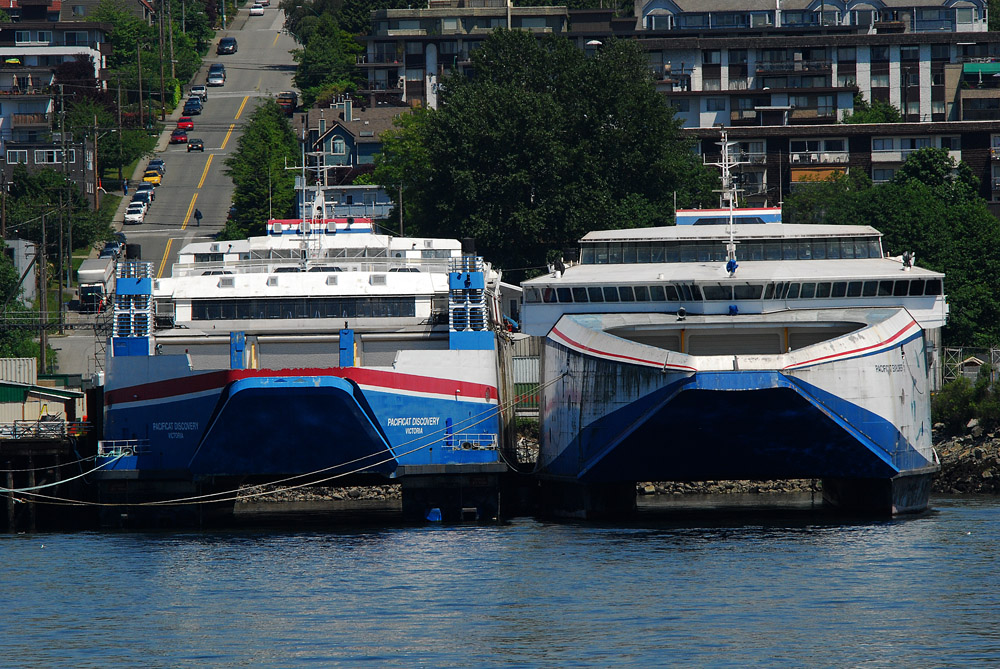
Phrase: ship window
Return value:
(595, 294)
(873, 249)
(641, 294)
(833, 249)
(696, 293)
(870, 289)
(789, 251)
(933, 287)
(769, 291)
(625, 294)
(587, 255)
(688, 252)
(272, 309)
(884, 288)
(228, 310)
(779, 290)
(819, 249)
(793, 292)
(847, 248)
(610, 294)
(753, 251)
(601, 251)
(704, 252)
(614, 253)
(665, 253)
(917, 287)
(718, 292)
(805, 250)
(580, 294)
(772, 251)
(808, 291)
(823, 289)
(748, 292)
(531, 295)
(642, 253)
(548, 294)
(860, 248)
(564, 294)
(628, 254)
(854, 289)
(901, 289)
(685, 291)
(839, 289)
(662, 293)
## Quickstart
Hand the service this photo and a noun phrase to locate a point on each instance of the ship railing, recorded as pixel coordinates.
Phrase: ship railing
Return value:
(278, 265)
(118, 448)
(41, 429)
(471, 441)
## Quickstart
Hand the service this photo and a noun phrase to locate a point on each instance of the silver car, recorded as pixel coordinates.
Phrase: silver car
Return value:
(216, 79)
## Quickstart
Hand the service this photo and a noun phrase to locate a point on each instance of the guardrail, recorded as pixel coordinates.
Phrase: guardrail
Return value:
(53, 430)
(471, 441)
(117, 448)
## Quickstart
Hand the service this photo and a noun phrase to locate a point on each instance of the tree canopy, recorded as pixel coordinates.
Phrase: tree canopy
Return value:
(542, 145)
(876, 112)
(263, 187)
(327, 63)
(931, 208)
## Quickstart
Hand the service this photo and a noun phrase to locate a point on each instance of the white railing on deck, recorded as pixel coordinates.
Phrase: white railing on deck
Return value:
(269, 266)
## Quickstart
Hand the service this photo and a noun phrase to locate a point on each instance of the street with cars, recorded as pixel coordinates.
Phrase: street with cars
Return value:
(187, 173)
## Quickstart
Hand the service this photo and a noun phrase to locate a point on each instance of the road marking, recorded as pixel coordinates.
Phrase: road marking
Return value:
(231, 126)
(205, 172)
(275, 42)
(187, 214)
(242, 105)
(166, 254)
(259, 79)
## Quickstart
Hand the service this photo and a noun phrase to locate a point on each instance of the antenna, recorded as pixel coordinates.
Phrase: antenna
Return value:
(727, 196)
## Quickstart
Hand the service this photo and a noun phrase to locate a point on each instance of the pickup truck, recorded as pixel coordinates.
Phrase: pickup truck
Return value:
(96, 278)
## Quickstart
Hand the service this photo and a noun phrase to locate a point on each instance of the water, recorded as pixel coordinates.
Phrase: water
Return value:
(703, 586)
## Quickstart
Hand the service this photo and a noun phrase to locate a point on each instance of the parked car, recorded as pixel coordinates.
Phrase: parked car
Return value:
(120, 237)
(265, 3)
(147, 188)
(185, 123)
(158, 165)
(152, 177)
(217, 67)
(135, 214)
(216, 79)
(226, 45)
(256, 10)
(111, 250)
(191, 110)
(178, 136)
(196, 145)
(288, 100)
(199, 91)
(144, 197)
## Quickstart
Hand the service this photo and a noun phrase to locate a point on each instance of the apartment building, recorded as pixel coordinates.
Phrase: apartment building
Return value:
(409, 49)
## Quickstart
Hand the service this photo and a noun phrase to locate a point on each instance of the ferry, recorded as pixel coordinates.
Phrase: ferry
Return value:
(737, 351)
(322, 351)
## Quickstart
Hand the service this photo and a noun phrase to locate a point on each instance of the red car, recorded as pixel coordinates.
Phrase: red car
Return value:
(179, 137)
(185, 123)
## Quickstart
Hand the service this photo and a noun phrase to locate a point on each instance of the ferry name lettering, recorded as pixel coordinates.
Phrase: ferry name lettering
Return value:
(889, 369)
(406, 421)
(180, 425)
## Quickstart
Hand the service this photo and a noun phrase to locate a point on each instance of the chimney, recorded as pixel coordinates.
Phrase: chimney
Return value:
(348, 109)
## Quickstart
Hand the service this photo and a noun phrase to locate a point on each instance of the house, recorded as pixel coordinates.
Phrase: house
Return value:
(47, 152)
(342, 140)
(22, 255)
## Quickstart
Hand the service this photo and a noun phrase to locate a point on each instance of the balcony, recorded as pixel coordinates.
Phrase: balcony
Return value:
(793, 65)
(900, 155)
(996, 184)
(813, 113)
(821, 158)
(379, 59)
(751, 157)
(32, 119)
(995, 153)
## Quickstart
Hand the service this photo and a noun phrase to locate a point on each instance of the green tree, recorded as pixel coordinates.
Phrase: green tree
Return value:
(263, 187)
(876, 112)
(930, 208)
(14, 342)
(542, 145)
(327, 60)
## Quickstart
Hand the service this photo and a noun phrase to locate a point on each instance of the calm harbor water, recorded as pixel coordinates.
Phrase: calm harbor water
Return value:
(741, 584)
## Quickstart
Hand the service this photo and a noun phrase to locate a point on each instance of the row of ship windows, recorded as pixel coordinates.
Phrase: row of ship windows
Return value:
(782, 290)
(303, 307)
(614, 253)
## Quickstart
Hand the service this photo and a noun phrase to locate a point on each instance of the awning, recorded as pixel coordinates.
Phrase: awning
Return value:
(981, 68)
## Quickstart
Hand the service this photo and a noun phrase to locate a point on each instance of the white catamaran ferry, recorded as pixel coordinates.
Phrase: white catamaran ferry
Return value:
(737, 351)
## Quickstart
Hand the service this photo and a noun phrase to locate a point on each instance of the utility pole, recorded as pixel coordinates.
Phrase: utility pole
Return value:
(59, 304)
(170, 27)
(65, 174)
(138, 57)
(223, 14)
(44, 316)
(163, 101)
(121, 140)
(97, 173)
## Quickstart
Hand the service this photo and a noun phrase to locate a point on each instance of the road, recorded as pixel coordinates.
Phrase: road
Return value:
(260, 69)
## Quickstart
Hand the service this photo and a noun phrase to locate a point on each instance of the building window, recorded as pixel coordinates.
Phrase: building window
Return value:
(937, 107)
(339, 146)
(737, 56)
(715, 104)
(44, 36)
(882, 175)
(912, 108)
(949, 143)
(880, 54)
(880, 80)
(75, 38)
(966, 15)
(711, 57)
(79, 10)
(914, 143)
(712, 85)
(909, 52)
(937, 79)
(18, 157)
(846, 81)
(22, 36)
(449, 24)
(682, 105)
(882, 144)
(940, 51)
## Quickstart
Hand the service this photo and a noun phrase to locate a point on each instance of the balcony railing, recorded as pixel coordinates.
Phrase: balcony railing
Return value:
(813, 112)
(379, 59)
(22, 120)
(792, 65)
(752, 157)
(820, 157)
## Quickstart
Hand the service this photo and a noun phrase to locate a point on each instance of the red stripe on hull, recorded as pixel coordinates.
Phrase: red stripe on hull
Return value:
(626, 358)
(197, 383)
(847, 354)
